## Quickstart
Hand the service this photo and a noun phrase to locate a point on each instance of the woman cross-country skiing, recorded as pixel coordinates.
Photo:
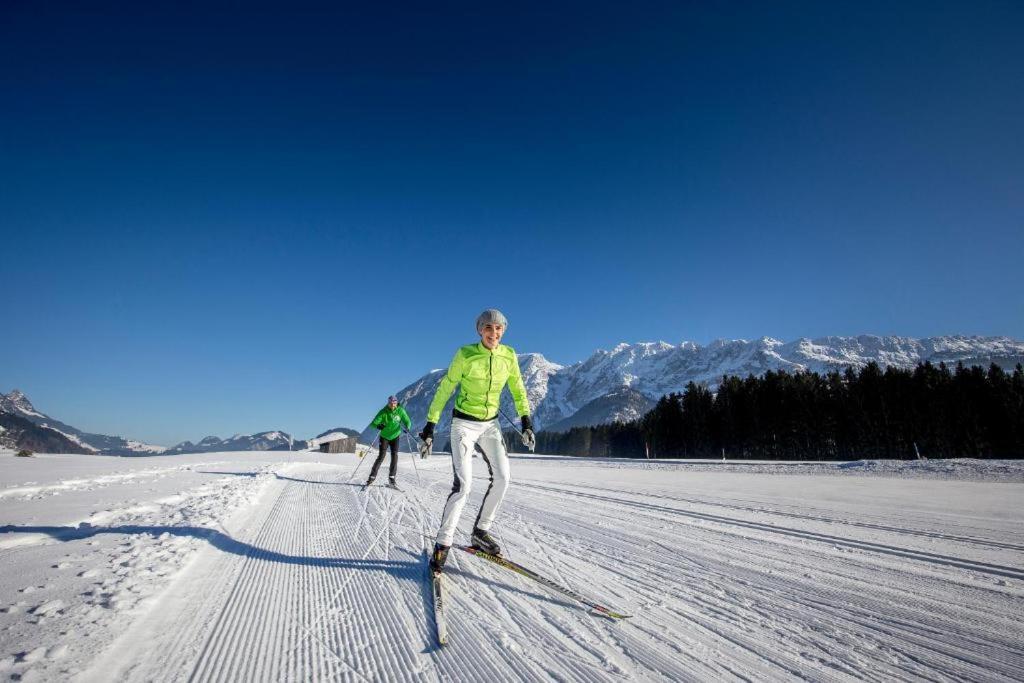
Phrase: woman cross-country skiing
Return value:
(481, 370)
(389, 420)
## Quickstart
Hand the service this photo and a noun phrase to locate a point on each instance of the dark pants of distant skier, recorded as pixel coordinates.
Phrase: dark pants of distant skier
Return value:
(393, 469)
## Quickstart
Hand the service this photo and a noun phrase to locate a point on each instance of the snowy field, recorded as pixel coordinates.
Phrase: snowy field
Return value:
(275, 566)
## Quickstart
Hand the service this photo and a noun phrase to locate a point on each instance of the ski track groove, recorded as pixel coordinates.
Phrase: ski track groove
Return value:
(305, 648)
(213, 649)
(251, 619)
(335, 545)
(333, 583)
(393, 592)
(225, 656)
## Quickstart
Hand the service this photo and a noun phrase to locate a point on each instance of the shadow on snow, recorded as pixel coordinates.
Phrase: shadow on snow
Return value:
(407, 570)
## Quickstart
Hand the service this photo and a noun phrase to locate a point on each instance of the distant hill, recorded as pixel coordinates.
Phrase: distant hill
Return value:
(17, 433)
(53, 436)
(337, 430)
(17, 403)
(263, 441)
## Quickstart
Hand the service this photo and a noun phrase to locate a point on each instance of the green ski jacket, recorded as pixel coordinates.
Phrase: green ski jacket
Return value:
(390, 422)
(481, 375)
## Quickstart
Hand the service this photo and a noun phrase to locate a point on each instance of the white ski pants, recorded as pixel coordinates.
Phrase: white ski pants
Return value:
(466, 436)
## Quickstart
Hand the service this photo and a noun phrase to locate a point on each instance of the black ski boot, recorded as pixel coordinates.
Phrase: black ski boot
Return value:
(485, 542)
(392, 483)
(439, 557)
(368, 482)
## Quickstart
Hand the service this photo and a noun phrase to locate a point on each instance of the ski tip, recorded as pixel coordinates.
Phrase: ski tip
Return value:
(602, 611)
(614, 616)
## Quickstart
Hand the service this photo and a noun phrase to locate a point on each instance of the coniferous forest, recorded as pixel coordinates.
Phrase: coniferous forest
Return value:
(852, 415)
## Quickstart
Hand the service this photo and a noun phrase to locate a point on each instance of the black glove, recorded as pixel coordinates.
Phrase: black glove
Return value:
(529, 440)
(379, 427)
(428, 431)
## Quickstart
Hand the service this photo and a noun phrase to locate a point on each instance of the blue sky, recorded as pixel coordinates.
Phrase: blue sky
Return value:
(233, 219)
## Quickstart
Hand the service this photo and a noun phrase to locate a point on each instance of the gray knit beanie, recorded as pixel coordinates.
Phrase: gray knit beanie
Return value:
(493, 316)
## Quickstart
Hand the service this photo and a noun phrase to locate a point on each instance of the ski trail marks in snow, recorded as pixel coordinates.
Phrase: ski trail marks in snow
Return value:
(963, 563)
(330, 582)
(324, 581)
(746, 605)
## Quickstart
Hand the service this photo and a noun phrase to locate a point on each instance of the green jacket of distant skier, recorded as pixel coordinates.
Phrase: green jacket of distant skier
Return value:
(481, 375)
(390, 422)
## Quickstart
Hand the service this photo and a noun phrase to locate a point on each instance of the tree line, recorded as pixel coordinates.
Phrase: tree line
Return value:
(870, 413)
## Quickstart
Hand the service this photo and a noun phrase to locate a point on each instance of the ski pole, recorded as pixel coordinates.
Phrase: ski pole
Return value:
(414, 437)
(411, 455)
(367, 452)
(423, 450)
(511, 423)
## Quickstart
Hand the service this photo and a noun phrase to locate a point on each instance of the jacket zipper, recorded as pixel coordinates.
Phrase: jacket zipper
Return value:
(490, 379)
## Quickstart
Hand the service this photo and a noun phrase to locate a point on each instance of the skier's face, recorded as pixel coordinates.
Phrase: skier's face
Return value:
(490, 335)
(392, 404)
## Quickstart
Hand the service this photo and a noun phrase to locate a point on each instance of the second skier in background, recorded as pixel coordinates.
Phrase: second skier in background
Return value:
(389, 420)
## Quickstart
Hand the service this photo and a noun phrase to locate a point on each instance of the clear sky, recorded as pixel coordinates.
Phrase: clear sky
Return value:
(236, 217)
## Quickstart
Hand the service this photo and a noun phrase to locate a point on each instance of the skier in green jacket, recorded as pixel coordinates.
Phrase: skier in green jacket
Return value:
(390, 421)
(481, 371)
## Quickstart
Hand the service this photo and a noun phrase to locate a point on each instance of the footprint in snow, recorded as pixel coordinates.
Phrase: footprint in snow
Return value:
(57, 652)
(32, 656)
(48, 609)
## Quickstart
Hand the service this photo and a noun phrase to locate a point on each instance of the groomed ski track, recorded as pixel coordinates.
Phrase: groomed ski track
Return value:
(318, 580)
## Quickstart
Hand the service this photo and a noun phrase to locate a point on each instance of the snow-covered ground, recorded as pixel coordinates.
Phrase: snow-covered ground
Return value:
(276, 566)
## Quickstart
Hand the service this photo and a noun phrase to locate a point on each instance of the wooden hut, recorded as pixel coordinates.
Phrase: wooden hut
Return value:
(341, 445)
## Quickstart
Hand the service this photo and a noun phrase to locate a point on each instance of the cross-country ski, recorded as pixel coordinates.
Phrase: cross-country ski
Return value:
(438, 604)
(544, 581)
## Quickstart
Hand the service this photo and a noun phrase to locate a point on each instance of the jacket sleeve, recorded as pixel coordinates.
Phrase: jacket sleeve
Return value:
(375, 422)
(517, 388)
(405, 419)
(445, 389)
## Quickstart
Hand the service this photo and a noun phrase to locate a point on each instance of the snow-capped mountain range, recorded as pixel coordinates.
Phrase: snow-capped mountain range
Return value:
(617, 385)
(625, 382)
(263, 441)
(38, 431)
(17, 403)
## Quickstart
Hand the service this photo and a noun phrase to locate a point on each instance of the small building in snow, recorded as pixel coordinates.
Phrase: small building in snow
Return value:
(341, 444)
